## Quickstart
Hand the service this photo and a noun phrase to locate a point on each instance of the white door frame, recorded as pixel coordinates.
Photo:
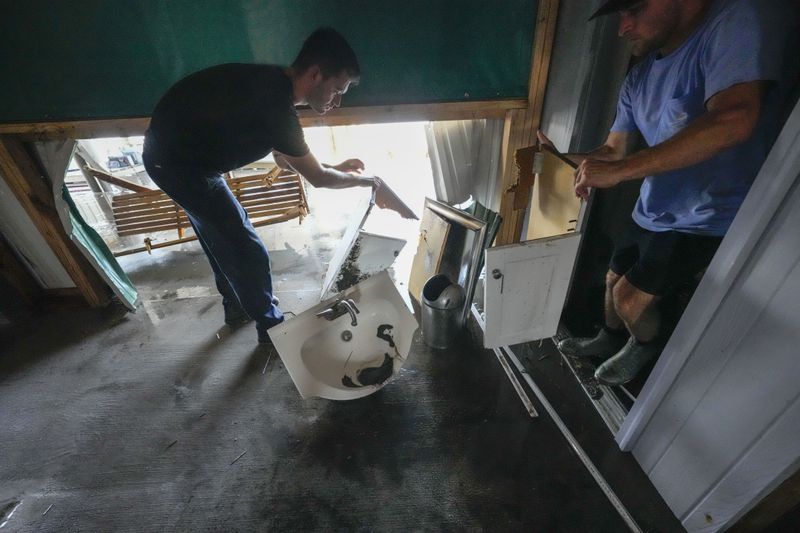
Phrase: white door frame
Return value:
(768, 192)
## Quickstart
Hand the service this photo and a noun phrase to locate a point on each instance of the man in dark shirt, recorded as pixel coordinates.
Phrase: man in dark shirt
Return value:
(226, 116)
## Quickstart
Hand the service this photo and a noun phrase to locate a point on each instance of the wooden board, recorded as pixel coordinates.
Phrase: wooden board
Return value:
(433, 234)
(554, 207)
(521, 124)
(265, 197)
(346, 116)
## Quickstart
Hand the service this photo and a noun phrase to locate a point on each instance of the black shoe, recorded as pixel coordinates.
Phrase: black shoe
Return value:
(624, 366)
(236, 316)
(604, 344)
(263, 337)
(263, 333)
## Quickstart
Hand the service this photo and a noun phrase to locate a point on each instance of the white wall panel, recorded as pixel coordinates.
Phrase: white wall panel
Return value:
(29, 244)
(716, 426)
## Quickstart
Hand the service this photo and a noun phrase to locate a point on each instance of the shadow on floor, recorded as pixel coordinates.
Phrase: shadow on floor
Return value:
(163, 420)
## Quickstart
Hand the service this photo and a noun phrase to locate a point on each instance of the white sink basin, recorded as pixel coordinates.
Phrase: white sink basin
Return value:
(334, 359)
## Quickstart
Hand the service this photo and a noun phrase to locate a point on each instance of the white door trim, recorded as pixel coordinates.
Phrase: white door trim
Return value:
(768, 192)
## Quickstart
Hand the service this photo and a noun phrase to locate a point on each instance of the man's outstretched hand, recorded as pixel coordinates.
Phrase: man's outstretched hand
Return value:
(590, 172)
(350, 165)
(543, 139)
(385, 198)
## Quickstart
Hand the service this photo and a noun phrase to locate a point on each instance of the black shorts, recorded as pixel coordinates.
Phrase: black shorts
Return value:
(656, 262)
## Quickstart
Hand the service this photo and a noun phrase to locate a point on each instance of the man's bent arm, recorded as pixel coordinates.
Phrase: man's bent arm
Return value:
(349, 165)
(731, 118)
(613, 149)
(280, 160)
(328, 178)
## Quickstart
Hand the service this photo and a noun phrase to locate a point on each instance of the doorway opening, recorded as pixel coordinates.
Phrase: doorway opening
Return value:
(300, 248)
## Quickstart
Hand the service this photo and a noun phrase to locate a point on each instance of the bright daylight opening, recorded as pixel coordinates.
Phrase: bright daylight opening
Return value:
(398, 153)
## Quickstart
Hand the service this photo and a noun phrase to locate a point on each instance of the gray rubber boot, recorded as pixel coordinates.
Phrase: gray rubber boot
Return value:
(624, 366)
(601, 345)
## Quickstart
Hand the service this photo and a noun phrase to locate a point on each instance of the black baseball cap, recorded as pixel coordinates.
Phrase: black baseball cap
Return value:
(612, 6)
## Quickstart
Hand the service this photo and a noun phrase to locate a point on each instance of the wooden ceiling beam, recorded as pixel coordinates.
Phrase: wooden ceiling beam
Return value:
(87, 129)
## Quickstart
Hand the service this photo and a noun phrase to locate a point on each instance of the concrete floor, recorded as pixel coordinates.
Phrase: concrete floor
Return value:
(163, 420)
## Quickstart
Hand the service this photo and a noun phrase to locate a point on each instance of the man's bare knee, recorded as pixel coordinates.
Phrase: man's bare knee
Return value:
(625, 300)
(611, 279)
(629, 301)
(621, 295)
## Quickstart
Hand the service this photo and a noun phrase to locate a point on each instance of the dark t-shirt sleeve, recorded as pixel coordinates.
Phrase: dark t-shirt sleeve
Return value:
(291, 140)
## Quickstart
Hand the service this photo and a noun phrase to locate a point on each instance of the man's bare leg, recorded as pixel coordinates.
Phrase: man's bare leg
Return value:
(608, 340)
(640, 315)
(613, 321)
(637, 310)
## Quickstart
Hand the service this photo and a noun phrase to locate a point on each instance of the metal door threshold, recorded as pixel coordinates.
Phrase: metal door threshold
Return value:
(604, 398)
(570, 438)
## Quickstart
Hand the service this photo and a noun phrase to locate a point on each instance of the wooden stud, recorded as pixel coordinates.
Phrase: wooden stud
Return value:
(114, 180)
(178, 213)
(86, 129)
(20, 172)
(521, 124)
(411, 112)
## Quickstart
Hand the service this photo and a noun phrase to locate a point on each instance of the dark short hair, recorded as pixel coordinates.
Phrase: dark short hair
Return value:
(329, 50)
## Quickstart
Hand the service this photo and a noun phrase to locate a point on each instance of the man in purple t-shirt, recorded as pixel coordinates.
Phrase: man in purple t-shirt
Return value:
(705, 97)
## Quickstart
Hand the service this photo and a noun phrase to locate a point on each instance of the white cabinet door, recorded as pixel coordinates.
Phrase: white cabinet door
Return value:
(525, 289)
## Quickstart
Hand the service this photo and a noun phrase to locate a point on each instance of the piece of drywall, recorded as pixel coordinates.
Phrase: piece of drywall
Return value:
(28, 243)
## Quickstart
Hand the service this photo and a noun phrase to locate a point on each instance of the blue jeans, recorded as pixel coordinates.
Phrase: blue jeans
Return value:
(239, 259)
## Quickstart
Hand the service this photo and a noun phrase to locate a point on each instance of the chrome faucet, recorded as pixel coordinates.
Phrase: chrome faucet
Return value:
(340, 308)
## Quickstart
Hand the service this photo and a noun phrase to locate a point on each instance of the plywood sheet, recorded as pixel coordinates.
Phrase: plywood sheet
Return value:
(432, 238)
(554, 207)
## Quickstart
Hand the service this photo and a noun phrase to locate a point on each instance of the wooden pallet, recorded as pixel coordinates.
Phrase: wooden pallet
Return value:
(268, 198)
